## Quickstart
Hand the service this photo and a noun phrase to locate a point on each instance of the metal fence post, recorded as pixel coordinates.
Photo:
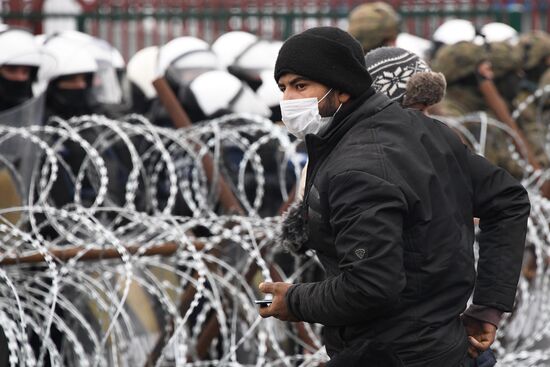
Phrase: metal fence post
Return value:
(288, 28)
(515, 16)
(81, 22)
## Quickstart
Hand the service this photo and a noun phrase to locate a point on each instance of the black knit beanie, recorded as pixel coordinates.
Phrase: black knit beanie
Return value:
(326, 55)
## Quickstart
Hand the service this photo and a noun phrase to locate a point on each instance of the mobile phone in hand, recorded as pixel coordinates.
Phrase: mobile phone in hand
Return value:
(263, 302)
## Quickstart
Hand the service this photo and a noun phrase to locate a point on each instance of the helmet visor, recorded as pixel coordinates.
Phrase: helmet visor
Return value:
(106, 84)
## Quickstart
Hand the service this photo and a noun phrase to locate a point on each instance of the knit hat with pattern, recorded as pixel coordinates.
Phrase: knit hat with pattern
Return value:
(391, 68)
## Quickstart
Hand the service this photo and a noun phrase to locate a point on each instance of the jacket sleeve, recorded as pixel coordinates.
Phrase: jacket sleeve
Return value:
(366, 216)
(502, 205)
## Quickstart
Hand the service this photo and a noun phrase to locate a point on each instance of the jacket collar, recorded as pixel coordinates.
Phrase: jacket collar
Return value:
(353, 112)
(318, 147)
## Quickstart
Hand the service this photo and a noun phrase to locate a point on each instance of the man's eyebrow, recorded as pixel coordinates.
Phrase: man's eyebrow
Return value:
(298, 79)
(295, 80)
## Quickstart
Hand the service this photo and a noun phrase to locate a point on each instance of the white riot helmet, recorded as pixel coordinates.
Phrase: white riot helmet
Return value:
(184, 58)
(19, 49)
(454, 31)
(249, 65)
(70, 58)
(230, 45)
(270, 94)
(141, 72)
(246, 56)
(108, 86)
(414, 44)
(499, 32)
(215, 93)
(259, 56)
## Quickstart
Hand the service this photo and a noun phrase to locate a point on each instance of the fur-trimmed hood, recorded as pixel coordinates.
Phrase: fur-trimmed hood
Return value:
(293, 231)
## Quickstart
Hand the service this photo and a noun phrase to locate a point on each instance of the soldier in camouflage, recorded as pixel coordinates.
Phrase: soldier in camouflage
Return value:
(536, 64)
(536, 56)
(374, 25)
(506, 61)
(464, 65)
(460, 63)
(545, 101)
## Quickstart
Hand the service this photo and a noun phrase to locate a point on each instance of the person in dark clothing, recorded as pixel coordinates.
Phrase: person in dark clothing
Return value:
(19, 65)
(70, 93)
(388, 206)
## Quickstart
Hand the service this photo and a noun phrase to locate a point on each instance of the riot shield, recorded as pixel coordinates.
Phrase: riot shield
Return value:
(19, 155)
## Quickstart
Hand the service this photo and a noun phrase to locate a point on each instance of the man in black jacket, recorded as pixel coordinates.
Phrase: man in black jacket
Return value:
(389, 204)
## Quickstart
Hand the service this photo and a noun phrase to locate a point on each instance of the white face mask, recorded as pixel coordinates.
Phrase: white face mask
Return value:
(301, 116)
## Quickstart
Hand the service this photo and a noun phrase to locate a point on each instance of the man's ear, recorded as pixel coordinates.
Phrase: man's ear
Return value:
(343, 97)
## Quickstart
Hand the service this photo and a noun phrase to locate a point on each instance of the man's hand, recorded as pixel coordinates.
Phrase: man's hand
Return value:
(278, 307)
(480, 335)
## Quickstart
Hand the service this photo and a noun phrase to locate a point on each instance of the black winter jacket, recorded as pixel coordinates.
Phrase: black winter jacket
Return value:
(390, 200)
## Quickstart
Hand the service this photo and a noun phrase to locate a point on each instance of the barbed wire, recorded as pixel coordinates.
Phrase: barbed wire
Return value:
(120, 254)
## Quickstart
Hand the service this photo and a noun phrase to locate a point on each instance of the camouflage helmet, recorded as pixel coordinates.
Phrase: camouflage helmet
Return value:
(459, 60)
(374, 23)
(536, 47)
(505, 58)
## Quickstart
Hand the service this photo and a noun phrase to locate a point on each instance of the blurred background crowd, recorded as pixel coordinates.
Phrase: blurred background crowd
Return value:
(217, 56)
